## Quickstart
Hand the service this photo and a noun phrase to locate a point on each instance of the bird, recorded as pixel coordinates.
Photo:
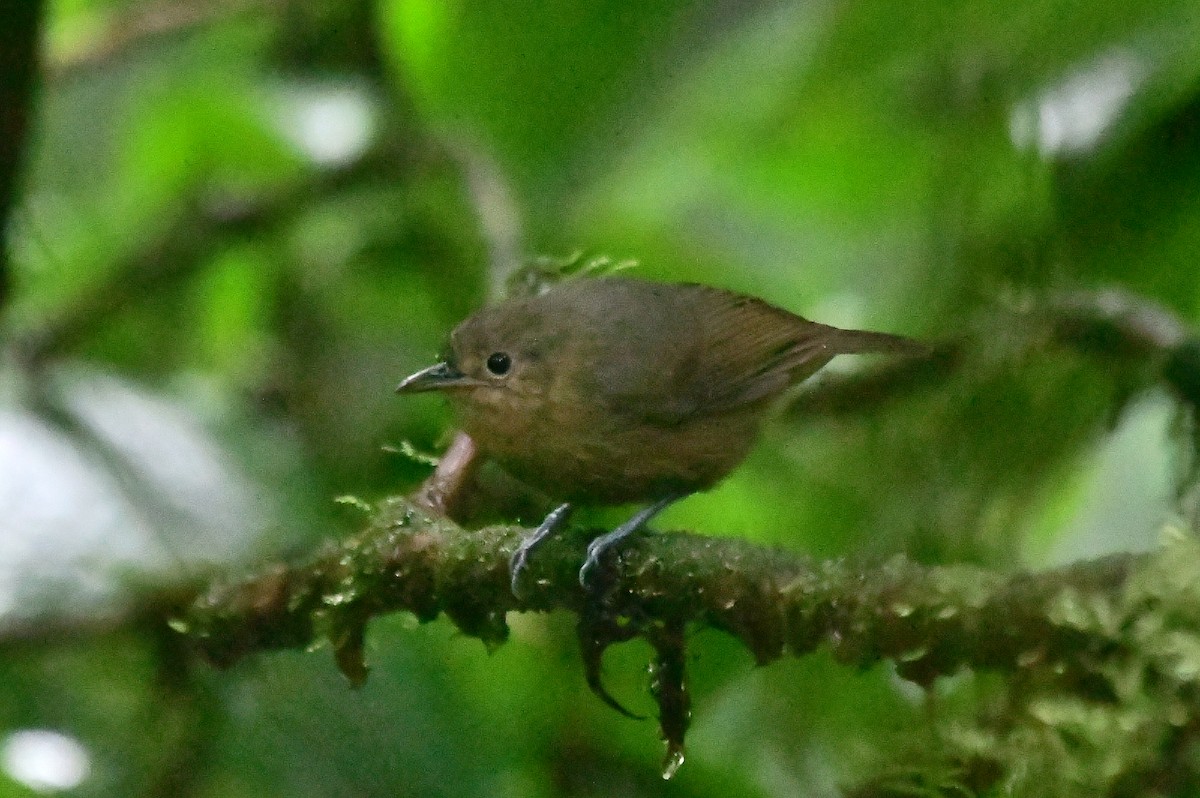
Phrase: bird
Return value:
(615, 390)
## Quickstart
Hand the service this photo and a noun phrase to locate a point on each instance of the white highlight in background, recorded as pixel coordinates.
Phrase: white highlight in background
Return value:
(331, 124)
(44, 760)
(1071, 116)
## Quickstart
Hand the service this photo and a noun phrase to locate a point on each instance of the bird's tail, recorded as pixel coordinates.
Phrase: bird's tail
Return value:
(853, 342)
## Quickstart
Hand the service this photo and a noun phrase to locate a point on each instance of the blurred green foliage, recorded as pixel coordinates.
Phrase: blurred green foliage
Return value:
(243, 221)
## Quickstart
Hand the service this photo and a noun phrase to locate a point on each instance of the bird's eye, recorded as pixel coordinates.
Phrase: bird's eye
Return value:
(499, 363)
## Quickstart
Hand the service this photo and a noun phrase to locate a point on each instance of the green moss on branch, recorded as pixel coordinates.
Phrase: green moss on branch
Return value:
(1087, 631)
(934, 620)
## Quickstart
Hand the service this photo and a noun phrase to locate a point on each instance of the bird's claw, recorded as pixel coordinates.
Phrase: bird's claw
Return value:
(596, 549)
(603, 544)
(517, 565)
(519, 562)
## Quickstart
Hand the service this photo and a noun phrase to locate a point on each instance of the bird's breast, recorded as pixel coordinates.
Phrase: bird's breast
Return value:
(579, 450)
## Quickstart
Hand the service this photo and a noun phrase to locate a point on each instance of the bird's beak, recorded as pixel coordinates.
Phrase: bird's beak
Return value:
(437, 377)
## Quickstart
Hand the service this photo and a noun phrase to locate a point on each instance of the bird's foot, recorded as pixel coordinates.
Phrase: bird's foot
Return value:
(520, 558)
(599, 547)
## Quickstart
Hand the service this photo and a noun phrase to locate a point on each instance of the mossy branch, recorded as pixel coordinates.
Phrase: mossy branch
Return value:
(1068, 625)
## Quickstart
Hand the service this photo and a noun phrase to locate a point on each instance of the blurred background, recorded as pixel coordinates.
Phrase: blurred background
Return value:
(239, 222)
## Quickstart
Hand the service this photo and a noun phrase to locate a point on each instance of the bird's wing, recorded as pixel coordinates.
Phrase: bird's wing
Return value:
(696, 350)
(700, 351)
(749, 351)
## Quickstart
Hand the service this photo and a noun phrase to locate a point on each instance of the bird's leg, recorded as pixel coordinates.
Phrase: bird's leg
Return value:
(520, 558)
(605, 543)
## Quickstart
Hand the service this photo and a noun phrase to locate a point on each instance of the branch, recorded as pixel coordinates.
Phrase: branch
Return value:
(1068, 624)
(206, 225)
(774, 601)
(114, 34)
(20, 38)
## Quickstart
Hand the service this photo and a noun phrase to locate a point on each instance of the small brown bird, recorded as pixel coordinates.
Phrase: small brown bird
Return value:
(611, 390)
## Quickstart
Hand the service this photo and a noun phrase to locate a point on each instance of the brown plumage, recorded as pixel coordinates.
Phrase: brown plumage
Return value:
(612, 390)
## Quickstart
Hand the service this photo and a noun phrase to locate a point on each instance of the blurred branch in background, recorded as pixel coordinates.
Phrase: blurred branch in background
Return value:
(198, 232)
(1114, 324)
(117, 30)
(498, 215)
(212, 216)
(20, 48)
